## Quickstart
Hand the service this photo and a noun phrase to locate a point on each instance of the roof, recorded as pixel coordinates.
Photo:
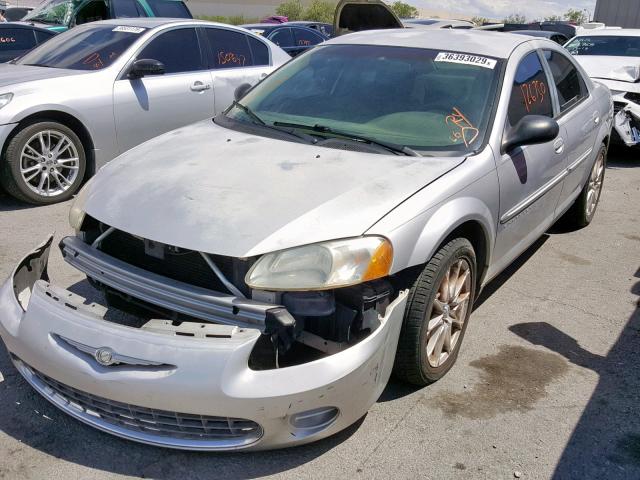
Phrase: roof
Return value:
(476, 42)
(537, 33)
(613, 32)
(151, 22)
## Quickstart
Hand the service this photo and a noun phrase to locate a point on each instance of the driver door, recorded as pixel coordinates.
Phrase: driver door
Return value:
(531, 177)
(150, 106)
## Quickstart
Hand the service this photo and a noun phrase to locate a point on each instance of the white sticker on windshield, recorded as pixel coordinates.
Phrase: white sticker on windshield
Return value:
(122, 28)
(466, 59)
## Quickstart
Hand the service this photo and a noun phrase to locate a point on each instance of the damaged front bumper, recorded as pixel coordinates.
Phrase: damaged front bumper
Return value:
(189, 390)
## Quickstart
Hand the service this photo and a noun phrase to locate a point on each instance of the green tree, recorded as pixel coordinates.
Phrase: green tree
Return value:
(404, 10)
(515, 18)
(320, 11)
(553, 18)
(292, 10)
(576, 16)
(479, 21)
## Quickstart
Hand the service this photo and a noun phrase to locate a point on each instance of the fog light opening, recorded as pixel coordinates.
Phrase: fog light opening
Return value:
(313, 421)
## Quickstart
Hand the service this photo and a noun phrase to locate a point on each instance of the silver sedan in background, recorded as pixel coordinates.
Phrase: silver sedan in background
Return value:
(87, 95)
(332, 226)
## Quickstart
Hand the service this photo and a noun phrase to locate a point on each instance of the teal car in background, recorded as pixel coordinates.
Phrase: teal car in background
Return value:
(60, 15)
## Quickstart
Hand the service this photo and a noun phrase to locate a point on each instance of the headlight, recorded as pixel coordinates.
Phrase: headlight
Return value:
(76, 214)
(5, 98)
(323, 266)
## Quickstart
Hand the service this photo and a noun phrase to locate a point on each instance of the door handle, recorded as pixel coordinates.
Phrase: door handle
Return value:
(200, 87)
(558, 146)
(596, 118)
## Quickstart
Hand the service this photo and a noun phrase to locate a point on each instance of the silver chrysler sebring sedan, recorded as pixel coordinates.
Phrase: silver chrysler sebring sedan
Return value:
(333, 226)
(91, 93)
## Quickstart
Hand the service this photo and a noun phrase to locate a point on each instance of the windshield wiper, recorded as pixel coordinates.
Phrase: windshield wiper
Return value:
(258, 121)
(393, 147)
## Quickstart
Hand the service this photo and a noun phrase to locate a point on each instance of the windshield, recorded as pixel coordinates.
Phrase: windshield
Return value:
(607, 45)
(52, 11)
(427, 100)
(91, 47)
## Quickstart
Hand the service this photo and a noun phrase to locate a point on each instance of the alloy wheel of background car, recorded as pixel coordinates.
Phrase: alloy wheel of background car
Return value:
(437, 314)
(46, 163)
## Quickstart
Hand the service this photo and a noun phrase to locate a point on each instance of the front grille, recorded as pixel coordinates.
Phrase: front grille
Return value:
(171, 429)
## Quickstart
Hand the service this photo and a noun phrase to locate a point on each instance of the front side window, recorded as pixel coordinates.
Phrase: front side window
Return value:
(530, 94)
(606, 45)
(229, 49)
(569, 82)
(178, 50)
(282, 37)
(425, 99)
(90, 47)
(55, 12)
(305, 38)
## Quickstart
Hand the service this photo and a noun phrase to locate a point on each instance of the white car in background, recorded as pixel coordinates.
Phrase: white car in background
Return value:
(91, 93)
(612, 56)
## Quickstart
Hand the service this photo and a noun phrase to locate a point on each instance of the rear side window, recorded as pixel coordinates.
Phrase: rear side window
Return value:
(178, 50)
(283, 38)
(260, 51)
(229, 49)
(530, 93)
(569, 82)
(16, 39)
(169, 9)
(305, 38)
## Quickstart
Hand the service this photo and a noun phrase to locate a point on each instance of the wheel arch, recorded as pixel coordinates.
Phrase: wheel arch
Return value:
(67, 120)
(474, 222)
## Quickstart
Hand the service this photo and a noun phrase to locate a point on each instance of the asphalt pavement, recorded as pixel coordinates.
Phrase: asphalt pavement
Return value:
(547, 384)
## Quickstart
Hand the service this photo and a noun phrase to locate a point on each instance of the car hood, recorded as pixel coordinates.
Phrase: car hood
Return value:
(216, 190)
(11, 74)
(611, 68)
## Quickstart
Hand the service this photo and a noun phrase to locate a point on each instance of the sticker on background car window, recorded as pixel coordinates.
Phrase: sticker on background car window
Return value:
(466, 59)
(462, 129)
(7, 40)
(126, 29)
(230, 57)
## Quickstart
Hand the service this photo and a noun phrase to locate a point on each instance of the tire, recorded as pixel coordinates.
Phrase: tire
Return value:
(414, 362)
(584, 208)
(32, 170)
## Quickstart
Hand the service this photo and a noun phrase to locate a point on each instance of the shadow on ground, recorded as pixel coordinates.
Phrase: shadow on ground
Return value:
(606, 440)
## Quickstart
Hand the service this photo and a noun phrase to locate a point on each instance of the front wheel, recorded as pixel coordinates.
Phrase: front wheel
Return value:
(437, 314)
(44, 163)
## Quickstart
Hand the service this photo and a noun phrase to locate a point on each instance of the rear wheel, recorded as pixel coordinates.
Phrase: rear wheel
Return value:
(44, 163)
(584, 209)
(438, 309)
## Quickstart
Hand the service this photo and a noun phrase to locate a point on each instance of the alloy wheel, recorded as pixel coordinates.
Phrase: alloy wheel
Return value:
(448, 313)
(595, 185)
(49, 163)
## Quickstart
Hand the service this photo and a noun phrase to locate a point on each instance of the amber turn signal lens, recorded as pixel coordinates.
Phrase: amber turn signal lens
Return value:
(380, 263)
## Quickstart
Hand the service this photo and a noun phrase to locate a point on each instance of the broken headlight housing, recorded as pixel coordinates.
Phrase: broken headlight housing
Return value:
(77, 213)
(323, 266)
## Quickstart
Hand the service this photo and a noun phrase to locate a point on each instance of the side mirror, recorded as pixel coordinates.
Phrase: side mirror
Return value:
(241, 91)
(145, 66)
(530, 130)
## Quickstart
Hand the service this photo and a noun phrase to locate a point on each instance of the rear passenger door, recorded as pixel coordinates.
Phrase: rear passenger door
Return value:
(149, 106)
(578, 118)
(531, 177)
(234, 58)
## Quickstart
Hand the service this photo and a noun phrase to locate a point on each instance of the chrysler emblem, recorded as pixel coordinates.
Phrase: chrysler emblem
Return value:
(104, 356)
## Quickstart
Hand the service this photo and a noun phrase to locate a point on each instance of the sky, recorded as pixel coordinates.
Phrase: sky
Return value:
(498, 9)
